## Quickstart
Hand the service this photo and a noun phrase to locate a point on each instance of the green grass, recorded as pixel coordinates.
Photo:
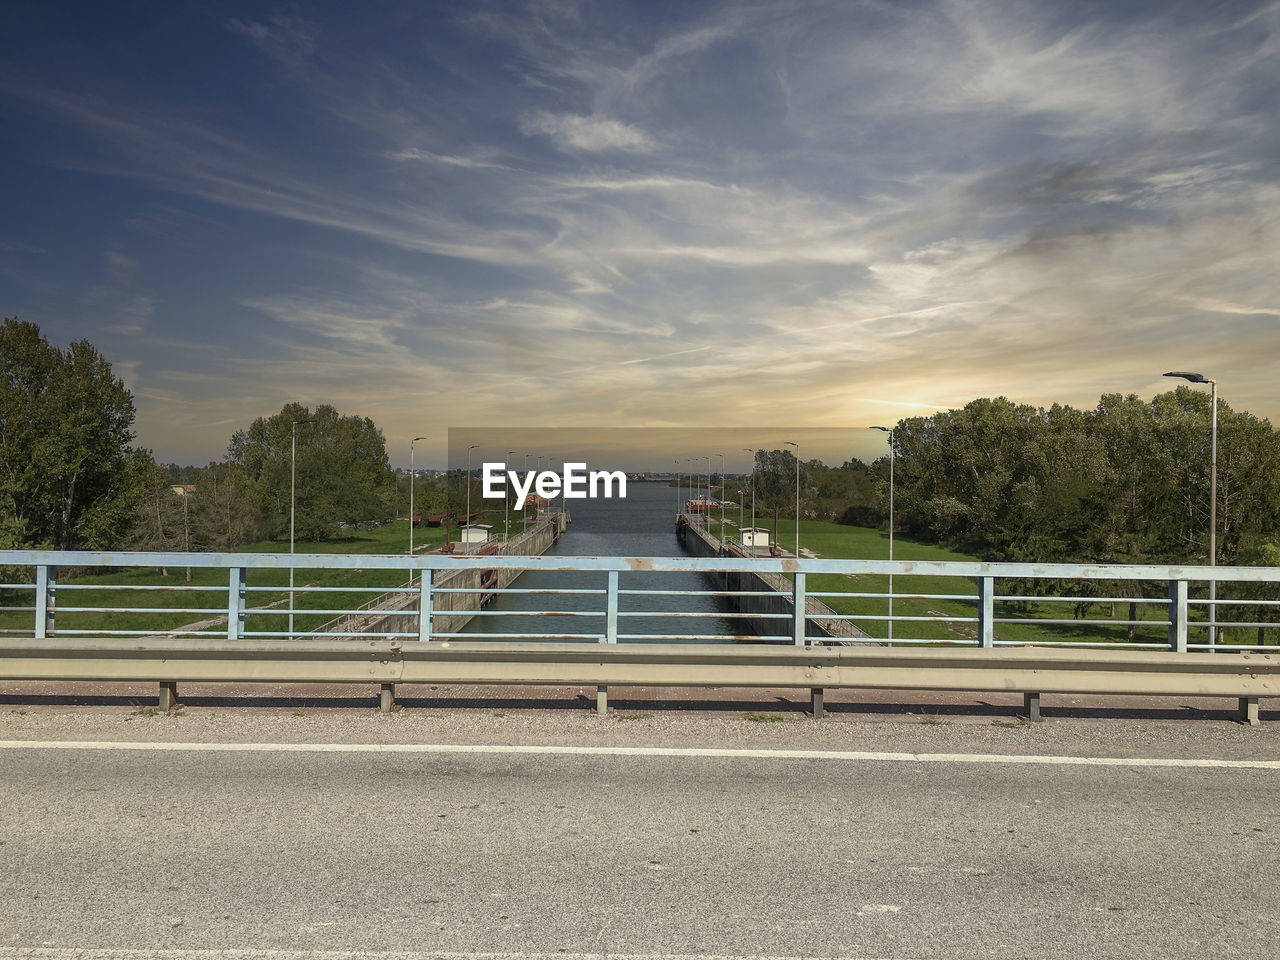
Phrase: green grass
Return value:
(832, 540)
(207, 588)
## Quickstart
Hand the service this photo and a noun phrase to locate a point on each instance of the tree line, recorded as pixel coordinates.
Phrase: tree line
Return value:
(71, 478)
(1125, 482)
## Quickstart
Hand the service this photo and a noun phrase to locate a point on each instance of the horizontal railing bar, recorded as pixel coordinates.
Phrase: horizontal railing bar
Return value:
(153, 632)
(1045, 622)
(17, 609)
(17, 586)
(319, 561)
(327, 634)
(524, 613)
(152, 587)
(895, 595)
(728, 615)
(1163, 601)
(1099, 644)
(301, 588)
(62, 609)
(895, 618)
(700, 593)
(506, 590)
(596, 637)
(364, 611)
(704, 636)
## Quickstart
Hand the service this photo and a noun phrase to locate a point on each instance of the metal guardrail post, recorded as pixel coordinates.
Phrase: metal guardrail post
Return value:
(426, 600)
(799, 616)
(1178, 616)
(46, 605)
(986, 611)
(235, 602)
(611, 609)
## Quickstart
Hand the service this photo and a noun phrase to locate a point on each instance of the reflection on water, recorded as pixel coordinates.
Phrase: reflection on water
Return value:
(642, 525)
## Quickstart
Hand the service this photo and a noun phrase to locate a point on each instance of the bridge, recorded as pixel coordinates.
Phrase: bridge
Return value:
(47, 635)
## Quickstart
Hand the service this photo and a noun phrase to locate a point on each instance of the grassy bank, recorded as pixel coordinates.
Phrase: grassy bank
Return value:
(206, 590)
(832, 540)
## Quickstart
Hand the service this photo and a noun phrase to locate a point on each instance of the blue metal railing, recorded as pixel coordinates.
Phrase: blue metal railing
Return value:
(432, 597)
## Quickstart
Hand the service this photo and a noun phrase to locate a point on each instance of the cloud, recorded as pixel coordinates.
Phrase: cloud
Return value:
(426, 156)
(571, 132)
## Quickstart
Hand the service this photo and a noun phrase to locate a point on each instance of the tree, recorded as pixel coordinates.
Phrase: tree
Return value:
(67, 470)
(775, 482)
(343, 476)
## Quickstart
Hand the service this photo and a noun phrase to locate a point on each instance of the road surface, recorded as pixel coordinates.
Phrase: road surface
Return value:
(342, 835)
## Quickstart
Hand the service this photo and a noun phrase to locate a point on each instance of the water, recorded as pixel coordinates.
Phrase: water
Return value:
(642, 525)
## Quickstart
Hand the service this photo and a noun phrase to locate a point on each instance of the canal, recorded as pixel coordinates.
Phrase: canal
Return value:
(642, 525)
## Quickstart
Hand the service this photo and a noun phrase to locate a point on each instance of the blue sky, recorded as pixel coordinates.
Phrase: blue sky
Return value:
(642, 214)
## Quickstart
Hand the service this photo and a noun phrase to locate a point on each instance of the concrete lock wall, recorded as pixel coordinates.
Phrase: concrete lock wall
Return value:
(698, 542)
(453, 611)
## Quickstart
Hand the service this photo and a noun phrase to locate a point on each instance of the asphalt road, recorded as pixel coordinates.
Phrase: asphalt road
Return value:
(185, 851)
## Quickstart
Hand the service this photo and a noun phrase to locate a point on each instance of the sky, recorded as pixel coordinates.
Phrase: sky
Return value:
(642, 214)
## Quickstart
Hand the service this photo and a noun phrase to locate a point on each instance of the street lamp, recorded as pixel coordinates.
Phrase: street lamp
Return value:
(797, 446)
(889, 431)
(721, 499)
(411, 443)
(707, 497)
(293, 483)
(506, 510)
(753, 503)
(467, 542)
(677, 463)
(1213, 493)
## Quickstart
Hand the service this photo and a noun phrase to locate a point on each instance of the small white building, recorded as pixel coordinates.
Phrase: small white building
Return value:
(474, 533)
(754, 537)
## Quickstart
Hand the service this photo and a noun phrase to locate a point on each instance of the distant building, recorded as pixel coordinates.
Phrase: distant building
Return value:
(475, 533)
(183, 489)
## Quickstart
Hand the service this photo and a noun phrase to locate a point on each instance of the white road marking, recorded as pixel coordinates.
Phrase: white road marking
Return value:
(707, 752)
(95, 953)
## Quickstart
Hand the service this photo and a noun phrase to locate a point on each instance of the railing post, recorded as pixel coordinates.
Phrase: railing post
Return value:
(1178, 616)
(46, 602)
(799, 616)
(611, 609)
(235, 603)
(426, 600)
(986, 611)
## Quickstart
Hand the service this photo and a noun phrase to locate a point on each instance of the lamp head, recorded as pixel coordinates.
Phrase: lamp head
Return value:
(1193, 377)
(885, 429)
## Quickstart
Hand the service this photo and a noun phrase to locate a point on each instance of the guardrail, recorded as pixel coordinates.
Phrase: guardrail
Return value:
(991, 608)
(620, 586)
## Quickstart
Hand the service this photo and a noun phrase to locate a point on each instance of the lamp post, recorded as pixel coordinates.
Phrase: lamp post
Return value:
(753, 502)
(1213, 493)
(706, 499)
(506, 510)
(889, 431)
(293, 483)
(721, 499)
(790, 443)
(524, 512)
(411, 443)
(677, 463)
(468, 540)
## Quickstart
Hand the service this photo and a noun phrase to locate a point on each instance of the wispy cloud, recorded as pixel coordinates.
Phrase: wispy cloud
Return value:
(775, 212)
(595, 134)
